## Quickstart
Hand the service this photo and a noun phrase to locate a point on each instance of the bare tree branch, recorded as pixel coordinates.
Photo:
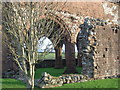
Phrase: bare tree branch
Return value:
(23, 27)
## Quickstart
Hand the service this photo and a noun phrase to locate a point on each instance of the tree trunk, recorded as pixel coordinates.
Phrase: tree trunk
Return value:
(70, 58)
(58, 56)
(31, 80)
(28, 82)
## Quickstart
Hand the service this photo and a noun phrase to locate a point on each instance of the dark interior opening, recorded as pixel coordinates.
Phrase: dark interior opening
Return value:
(103, 28)
(106, 49)
(108, 38)
(118, 57)
(95, 67)
(103, 55)
(113, 29)
(116, 31)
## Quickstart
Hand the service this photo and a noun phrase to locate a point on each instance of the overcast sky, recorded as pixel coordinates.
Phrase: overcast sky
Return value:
(44, 43)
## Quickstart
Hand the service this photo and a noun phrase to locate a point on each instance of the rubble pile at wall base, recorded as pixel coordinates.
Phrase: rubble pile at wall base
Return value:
(47, 80)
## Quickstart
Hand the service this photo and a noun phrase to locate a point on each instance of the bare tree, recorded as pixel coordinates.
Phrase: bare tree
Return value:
(23, 26)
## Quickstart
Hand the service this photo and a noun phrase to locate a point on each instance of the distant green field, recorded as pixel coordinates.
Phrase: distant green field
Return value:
(51, 56)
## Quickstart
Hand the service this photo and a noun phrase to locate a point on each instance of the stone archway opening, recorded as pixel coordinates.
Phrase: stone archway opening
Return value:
(45, 49)
(54, 46)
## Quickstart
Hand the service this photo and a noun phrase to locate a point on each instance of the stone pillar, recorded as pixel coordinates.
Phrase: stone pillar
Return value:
(70, 57)
(58, 56)
(79, 56)
(79, 60)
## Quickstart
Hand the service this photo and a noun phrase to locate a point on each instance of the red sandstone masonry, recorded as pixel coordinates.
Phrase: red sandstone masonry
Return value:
(73, 14)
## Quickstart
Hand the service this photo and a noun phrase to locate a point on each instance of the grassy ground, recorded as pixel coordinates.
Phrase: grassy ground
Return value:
(52, 71)
(12, 83)
(107, 83)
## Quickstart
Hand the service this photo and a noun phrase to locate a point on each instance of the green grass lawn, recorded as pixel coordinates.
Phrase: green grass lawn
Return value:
(52, 71)
(107, 83)
(12, 83)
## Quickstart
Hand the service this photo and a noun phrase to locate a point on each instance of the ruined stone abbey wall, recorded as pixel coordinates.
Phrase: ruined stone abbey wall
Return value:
(98, 38)
(94, 26)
